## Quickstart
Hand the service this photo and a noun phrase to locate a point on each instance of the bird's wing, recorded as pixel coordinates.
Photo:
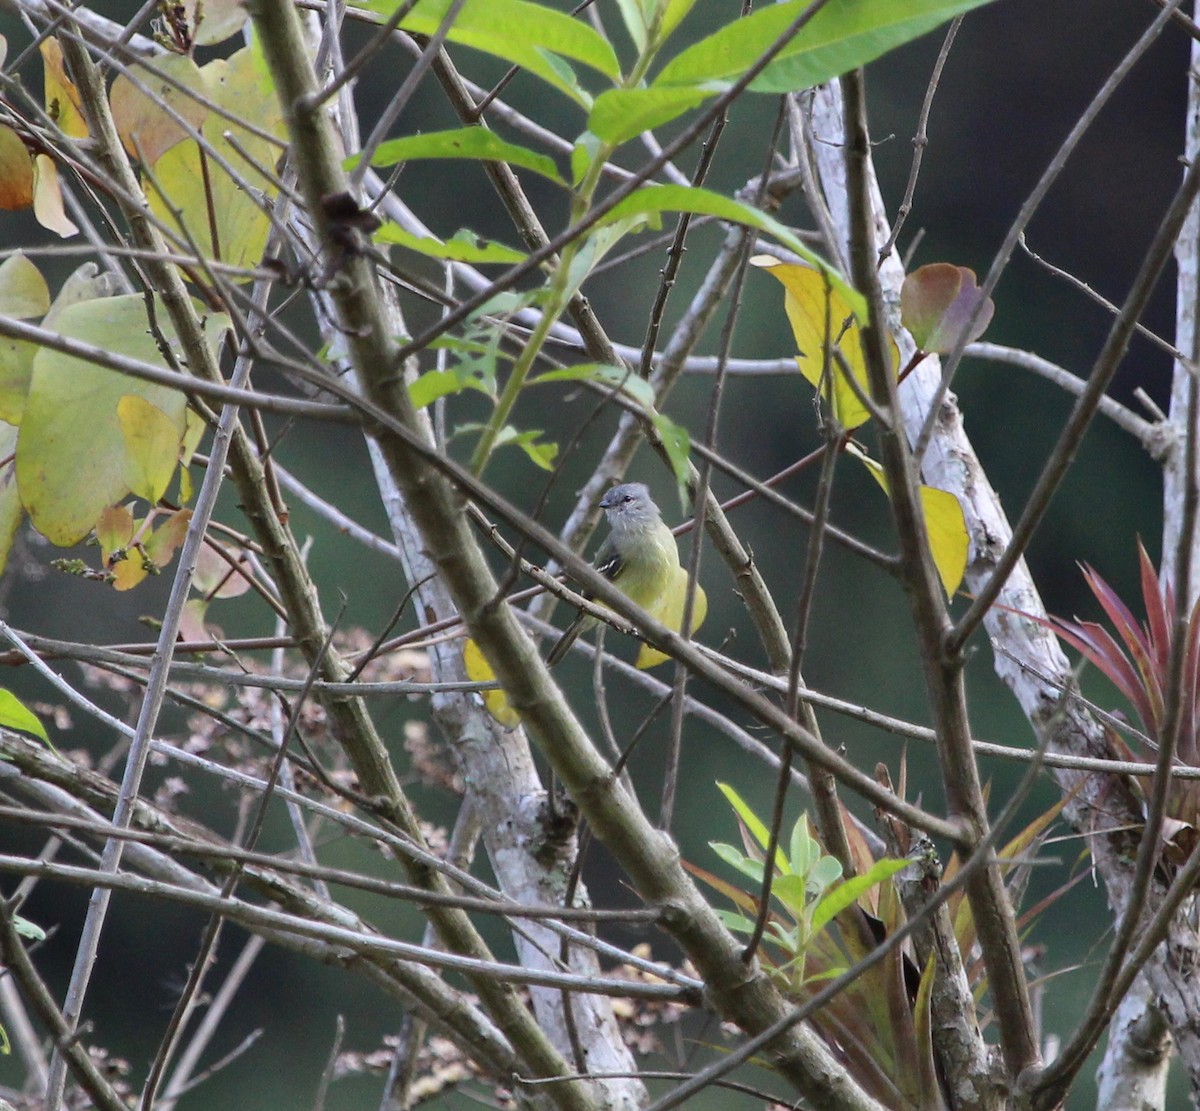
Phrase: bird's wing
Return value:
(608, 561)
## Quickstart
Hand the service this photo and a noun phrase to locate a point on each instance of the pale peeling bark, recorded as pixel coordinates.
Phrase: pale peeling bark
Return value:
(530, 856)
(1187, 291)
(531, 850)
(1133, 1074)
(1027, 656)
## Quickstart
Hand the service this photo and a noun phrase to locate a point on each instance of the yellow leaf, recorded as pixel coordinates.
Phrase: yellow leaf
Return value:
(496, 701)
(47, 198)
(151, 446)
(62, 98)
(669, 611)
(949, 543)
(948, 539)
(821, 317)
(224, 215)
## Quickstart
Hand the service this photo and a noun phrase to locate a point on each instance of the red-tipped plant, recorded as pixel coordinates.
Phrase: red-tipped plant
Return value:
(1138, 664)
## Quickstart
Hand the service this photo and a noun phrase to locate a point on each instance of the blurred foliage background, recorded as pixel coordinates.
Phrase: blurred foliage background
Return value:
(1020, 73)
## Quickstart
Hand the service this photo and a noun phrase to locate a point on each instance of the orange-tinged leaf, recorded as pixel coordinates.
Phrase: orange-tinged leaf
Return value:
(47, 198)
(152, 441)
(669, 611)
(480, 671)
(949, 542)
(164, 542)
(147, 130)
(114, 530)
(16, 172)
(822, 318)
(62, 98)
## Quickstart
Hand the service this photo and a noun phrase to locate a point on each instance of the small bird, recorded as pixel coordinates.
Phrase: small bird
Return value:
(639, 557)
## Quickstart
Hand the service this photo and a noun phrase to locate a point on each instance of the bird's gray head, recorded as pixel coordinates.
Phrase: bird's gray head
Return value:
(630, 506)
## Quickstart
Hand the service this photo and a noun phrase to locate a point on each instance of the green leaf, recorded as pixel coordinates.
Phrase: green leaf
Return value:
(827, 870)
(843, 35)
(611, 377)
(633, 14)
(738, 860)
(619, 115)
(583, 154)
(677, 444)
(463, 247)
(71, 452)
(675, 14)
(435, 384)
(525, 34)
(541, 452)
(461, 142)
(23, 294)
(847, 893)
(688, 198)
(27, 929)
(736, 923)
(15, 715)
(803, 848)
(792, 891)
(23, 291)
(749, 819)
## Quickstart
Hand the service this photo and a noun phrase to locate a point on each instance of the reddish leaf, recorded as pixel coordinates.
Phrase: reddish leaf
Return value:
(1095, 642)
(937, 303)
(1134, 636)
(1157, 614)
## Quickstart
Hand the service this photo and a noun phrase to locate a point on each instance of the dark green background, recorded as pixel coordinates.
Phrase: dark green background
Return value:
(1021, 72)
